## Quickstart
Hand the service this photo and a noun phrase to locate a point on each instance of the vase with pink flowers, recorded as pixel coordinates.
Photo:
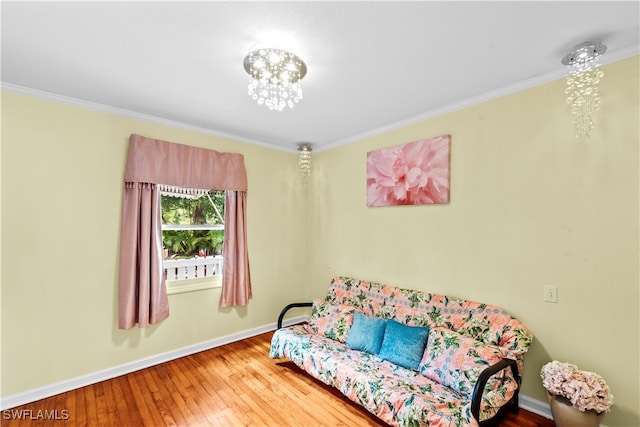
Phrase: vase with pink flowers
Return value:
(577, 398)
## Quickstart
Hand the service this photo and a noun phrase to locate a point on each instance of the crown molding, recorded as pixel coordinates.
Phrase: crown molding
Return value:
(102, 108)
(538, 80)
(531, 82)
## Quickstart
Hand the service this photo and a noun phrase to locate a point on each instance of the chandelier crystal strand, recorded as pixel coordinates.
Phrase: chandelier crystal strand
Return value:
(304, 159)
(583, 96)
(582, 85)
(275, 78)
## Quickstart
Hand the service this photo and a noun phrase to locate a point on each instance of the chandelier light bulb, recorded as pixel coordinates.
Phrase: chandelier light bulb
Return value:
(275, 76)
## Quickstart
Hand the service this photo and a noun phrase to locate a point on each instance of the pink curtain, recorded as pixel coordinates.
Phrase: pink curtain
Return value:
(143, 295)
(236, 279)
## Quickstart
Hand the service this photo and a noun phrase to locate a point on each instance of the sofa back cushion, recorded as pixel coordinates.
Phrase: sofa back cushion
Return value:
(332, 321)
(482, 322)
(455, 360)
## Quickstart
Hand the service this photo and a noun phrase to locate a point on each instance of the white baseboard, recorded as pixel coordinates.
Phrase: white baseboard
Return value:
(534, 405)
(43, 392)
(526, 402)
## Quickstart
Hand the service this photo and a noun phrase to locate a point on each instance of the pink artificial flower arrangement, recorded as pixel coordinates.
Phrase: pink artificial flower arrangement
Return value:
(585, 390)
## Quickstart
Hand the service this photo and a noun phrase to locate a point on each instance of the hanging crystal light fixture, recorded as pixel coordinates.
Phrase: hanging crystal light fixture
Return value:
(275, 77)
(304, 159)
(582, 84)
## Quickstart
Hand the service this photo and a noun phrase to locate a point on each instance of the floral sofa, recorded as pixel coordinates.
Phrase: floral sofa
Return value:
(410, 357)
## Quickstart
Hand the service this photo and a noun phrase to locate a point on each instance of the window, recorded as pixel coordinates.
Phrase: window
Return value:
(192, 238)
(152, 167)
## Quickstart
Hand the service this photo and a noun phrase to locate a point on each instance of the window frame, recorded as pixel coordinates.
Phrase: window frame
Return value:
(195, 283)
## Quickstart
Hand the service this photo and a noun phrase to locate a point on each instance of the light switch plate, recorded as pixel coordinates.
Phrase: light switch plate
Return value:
(551, 294)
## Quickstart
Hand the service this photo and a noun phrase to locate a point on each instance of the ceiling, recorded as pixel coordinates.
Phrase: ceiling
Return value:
(372, 65)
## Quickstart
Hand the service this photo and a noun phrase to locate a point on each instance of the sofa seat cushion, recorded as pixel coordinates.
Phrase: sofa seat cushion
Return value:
(396, 395)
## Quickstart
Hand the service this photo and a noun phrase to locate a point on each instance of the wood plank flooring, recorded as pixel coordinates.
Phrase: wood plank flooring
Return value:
(232, 385)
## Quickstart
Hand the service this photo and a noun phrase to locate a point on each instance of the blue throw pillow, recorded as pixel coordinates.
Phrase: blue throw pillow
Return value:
(404, 345)
(366, 333)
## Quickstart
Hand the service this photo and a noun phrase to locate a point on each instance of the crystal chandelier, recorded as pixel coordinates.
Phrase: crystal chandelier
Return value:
(304, 159)
(582, 84)
(275, 77)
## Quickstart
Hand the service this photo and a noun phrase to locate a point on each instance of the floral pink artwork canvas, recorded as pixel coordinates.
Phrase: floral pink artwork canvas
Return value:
(409, 174)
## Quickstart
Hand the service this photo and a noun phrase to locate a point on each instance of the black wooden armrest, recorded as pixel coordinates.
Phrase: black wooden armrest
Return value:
(290, 306)
(484, 376)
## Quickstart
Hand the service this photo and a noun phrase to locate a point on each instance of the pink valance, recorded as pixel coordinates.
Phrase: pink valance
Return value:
(162, 162)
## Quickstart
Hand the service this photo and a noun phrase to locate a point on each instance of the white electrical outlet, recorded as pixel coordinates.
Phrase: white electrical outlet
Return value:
(551, 294)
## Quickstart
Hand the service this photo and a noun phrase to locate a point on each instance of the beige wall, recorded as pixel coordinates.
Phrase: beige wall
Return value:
(529, 207)
(62, 170)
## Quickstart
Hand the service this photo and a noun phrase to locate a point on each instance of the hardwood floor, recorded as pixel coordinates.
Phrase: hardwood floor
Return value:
(232, 385)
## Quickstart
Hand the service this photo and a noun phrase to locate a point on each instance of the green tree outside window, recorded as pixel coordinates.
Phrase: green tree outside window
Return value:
(193, 227)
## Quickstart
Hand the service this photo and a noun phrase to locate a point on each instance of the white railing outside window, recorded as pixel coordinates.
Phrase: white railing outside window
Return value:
(192, 268)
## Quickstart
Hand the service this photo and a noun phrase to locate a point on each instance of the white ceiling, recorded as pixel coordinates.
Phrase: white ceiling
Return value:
(371, 65)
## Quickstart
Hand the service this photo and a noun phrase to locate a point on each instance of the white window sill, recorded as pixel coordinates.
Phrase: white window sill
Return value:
(191, 285)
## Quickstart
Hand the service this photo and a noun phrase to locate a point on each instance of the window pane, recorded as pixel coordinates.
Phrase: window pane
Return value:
(179, 210)
(188, 243)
